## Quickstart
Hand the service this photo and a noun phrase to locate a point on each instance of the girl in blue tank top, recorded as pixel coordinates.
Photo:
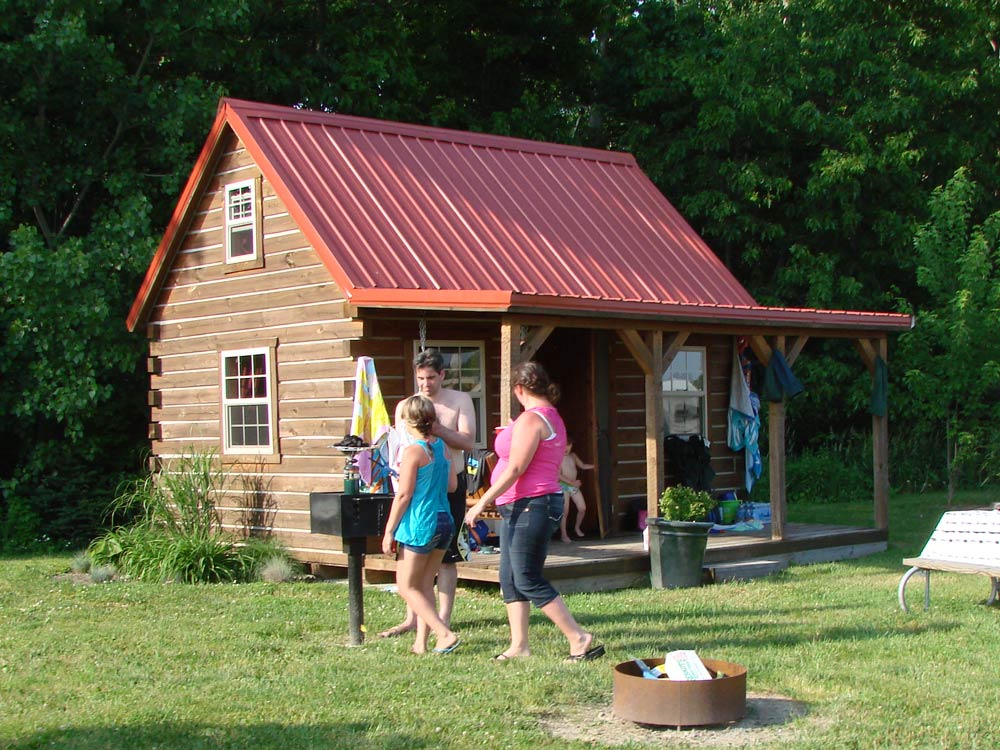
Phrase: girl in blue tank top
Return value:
(420, 523)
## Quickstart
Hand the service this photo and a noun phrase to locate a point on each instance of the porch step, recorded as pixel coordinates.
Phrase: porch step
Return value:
(745, 570)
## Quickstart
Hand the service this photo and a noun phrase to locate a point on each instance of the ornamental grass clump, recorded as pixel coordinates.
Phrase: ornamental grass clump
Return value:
(176, 534)
(80, 563)
(681, 503)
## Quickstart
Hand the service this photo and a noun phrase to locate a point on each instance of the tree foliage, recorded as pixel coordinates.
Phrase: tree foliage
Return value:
(953, 358)
(802, 139)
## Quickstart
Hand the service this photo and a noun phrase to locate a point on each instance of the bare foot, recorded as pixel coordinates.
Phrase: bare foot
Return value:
(511, 655)
(397, 630)
(579, 532)
(566, 540)
(581, 645)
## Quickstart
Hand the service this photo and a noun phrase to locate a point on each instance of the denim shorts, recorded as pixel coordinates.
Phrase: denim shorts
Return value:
(444, 530)
(526, 527)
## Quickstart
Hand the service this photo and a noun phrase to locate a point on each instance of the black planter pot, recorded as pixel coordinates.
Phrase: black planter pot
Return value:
(676, 552)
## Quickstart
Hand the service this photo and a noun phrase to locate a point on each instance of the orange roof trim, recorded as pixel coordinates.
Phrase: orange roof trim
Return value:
(418, 217)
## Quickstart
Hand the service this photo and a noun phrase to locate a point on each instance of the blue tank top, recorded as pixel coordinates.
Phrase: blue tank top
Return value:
(430, 496)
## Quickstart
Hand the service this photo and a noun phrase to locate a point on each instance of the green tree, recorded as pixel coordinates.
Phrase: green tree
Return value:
(100, 114)
(953, 355)
(802, 138)
(104, 105)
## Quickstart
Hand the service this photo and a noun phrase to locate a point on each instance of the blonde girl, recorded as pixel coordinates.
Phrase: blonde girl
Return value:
(420, 523)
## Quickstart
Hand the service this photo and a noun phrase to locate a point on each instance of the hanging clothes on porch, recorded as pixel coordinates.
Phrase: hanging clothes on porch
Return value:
(744, 415)
(370, 420)
(779, 381)
(690, 460)
(880, 388)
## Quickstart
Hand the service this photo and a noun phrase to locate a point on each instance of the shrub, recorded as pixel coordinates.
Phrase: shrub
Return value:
(826, 478)
(822, 476)
(176, 535)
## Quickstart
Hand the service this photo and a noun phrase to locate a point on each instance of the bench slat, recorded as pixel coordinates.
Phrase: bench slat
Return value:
(950, 566)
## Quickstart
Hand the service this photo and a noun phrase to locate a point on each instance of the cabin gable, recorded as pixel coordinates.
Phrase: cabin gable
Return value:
(287, 304)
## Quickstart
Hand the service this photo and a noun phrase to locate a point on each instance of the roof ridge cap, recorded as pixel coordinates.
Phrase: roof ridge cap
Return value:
(245, 108)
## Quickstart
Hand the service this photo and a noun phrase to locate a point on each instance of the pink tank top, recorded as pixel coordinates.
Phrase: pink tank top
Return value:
(542, 475)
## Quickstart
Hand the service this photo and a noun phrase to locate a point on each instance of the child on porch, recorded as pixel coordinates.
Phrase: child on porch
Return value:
(571, 489)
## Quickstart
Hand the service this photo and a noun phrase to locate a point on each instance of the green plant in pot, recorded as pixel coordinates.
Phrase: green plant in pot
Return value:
(681, 503)
(678, 537)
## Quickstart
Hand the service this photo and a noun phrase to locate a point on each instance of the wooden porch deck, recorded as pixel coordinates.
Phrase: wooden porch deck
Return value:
(620, 562)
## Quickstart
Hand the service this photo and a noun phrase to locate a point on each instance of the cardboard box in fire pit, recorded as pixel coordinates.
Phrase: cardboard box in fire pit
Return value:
(680, 703)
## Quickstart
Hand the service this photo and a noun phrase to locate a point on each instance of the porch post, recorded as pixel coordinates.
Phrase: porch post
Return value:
(654, 427)
(775, 440)
(508, 348)
(648, 354)
(776, 458)
(880, 435)
(776, 467)
(513, 350)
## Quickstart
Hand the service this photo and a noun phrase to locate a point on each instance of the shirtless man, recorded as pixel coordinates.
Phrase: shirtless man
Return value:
(456, 425)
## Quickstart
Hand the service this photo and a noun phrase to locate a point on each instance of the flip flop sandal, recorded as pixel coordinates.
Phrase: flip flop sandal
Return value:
(590, 654)
(450, 648)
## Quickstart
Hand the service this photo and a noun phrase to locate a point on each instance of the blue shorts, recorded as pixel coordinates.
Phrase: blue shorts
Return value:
(444, 531)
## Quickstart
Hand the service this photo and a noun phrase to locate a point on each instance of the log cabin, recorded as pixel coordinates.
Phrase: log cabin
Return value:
(304, 240)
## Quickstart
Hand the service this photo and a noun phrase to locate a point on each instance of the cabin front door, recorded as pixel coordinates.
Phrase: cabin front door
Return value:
(568, 356)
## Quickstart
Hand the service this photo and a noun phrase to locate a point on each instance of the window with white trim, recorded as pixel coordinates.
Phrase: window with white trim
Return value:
(465, 370)
(241, 221)
(247, 402)
(685, 409)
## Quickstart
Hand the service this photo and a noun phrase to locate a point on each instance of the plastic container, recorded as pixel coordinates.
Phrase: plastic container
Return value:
(728, 510)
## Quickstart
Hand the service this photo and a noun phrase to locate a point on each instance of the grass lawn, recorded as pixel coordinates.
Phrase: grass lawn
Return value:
(266, 666)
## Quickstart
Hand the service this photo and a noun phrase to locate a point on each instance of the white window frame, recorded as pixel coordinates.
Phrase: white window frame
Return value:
(270, 448)
(676, 385)
(249, 220)
(478, 397)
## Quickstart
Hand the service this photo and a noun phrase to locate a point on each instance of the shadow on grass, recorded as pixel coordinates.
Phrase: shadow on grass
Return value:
(777, 628)
(181, 736)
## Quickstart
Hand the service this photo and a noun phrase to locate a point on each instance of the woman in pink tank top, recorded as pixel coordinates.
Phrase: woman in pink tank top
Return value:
(525, 488)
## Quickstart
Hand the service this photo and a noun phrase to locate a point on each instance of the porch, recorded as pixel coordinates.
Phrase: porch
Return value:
(619, 562)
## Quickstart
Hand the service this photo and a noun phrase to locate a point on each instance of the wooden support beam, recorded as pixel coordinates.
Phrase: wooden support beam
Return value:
(638, 348)
(867, 350)
(533, 339)
(654, 427)
(880, 453)
(648, 352)
(671, 347)
(508, 353)
(776, 458)
(515, 348)
(776, 467)
(796, 349)
(761, 348)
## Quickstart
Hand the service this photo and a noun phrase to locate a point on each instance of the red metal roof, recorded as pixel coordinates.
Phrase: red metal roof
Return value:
(412, 216)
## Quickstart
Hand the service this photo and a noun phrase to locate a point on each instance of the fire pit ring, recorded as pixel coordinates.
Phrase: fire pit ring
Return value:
(680, 703)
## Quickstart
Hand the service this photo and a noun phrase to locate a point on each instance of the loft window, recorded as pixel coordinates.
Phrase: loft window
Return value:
(464, 371)
(684, 394)
(241, 222)
(247, 402)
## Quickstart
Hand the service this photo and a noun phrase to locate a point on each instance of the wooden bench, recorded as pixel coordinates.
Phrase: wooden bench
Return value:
(965, 541)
